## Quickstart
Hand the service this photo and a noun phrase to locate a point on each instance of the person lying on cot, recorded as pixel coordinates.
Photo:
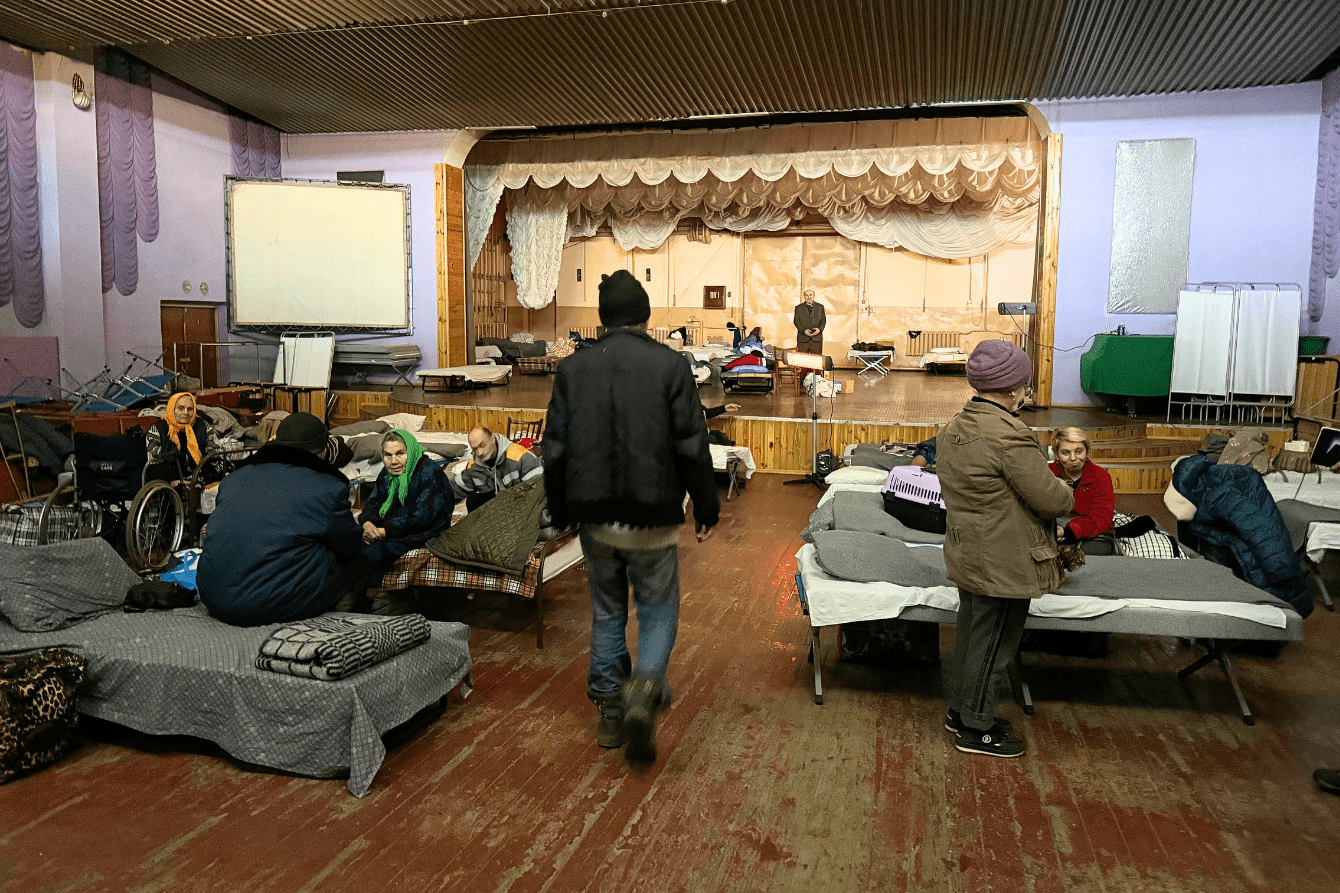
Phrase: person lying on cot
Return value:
(495, 464)
(178, 441)
(1090, 524)
(410, 503)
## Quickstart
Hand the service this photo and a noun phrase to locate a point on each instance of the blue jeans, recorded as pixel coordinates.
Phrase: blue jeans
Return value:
(654, 576)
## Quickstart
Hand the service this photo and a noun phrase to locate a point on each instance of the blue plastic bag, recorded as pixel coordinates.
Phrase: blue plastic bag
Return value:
(184, 572)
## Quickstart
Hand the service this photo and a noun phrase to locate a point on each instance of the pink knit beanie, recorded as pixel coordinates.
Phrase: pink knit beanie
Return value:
(998, 366)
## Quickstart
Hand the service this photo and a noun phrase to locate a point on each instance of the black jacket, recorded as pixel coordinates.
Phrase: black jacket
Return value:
(625, 437)
(277, 539)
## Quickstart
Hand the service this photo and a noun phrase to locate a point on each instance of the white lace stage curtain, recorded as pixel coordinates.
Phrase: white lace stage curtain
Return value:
(934, 191)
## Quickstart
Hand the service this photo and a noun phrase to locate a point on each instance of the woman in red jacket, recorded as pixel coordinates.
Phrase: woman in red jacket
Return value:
(1091, 523)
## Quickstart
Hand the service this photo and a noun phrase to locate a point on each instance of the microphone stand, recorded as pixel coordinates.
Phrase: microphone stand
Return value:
(813, 476)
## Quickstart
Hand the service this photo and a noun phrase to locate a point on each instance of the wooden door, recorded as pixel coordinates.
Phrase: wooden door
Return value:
(187, 328)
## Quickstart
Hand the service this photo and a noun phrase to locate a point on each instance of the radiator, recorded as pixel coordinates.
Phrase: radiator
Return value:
(929, 340)
(695, 330)
(490, 330)
(588, 332)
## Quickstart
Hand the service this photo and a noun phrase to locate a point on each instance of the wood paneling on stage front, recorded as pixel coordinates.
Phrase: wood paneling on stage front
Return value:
(463, 418)
(783, 445)
(349, 405)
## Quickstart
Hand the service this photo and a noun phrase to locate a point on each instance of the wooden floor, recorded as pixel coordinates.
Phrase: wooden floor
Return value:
(903, 397)
(1135, 781)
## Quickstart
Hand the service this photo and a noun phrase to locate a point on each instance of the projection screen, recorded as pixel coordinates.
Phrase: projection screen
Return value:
(318, 254)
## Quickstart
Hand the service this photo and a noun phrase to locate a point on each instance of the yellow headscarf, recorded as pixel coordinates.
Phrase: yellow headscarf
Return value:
(177, 432)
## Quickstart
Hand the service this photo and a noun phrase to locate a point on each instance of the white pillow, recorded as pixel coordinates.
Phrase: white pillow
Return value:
(404, 421)
(857, 474)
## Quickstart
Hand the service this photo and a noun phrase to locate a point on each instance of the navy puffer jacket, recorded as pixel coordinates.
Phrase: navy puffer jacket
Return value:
(279, 539)
(1234, 509)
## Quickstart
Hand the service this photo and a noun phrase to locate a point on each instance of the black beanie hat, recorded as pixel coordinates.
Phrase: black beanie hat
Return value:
(623, 300)
(304, 431)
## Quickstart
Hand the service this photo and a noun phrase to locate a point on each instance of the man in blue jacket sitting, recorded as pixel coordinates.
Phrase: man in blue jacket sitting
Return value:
(282, 543)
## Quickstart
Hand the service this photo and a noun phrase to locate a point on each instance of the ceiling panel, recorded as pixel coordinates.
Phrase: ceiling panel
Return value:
(354, 65)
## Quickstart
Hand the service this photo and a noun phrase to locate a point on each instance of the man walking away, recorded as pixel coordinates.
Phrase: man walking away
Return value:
(624, 440)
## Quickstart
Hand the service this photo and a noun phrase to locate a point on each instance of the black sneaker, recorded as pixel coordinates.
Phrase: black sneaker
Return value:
(953, 722)
(995, 742)
(610, 733)
(642, 700)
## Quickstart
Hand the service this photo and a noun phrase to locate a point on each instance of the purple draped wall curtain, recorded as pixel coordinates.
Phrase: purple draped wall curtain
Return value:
(127, 168)
(255, 148)
(1326, 208)
(20, 222)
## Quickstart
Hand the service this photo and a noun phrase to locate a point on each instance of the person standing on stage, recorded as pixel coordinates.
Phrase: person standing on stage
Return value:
(810, 320)
(624, 440)
(1000, 539)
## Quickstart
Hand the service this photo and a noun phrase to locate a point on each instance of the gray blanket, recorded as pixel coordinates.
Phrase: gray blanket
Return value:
(870, 558)
(864, 512)
(334, 646)
(871, 456)
(1298, 515)
(185, 673)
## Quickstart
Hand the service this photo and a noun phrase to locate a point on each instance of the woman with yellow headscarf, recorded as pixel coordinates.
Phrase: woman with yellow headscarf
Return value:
(178, 441)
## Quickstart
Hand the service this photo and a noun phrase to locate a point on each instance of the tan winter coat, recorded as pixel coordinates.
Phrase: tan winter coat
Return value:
(1000, 498)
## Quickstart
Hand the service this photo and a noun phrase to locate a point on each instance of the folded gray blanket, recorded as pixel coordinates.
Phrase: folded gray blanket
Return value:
(333, 646)
(871, 456)
(864, 512)
(871, 558)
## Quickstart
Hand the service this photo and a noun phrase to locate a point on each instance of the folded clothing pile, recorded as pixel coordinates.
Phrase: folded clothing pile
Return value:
(334, 646)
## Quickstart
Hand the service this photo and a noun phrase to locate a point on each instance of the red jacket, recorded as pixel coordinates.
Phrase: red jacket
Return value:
(1094, 501)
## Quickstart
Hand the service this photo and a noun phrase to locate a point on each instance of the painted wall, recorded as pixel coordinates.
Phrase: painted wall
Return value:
(1251, 206)
(191, 142)
(406, 158)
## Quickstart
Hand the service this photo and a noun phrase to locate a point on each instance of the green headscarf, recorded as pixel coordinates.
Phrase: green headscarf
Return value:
(399, 487)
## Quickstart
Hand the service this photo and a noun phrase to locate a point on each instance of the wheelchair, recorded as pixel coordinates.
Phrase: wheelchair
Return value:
(111, 489)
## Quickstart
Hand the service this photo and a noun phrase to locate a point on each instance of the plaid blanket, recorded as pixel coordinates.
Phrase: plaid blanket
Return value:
(333, 646)
(420, 567)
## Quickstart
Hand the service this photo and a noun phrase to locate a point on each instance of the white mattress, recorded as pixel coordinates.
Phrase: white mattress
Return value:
(486, 372)
(832, 600)
(564, 557)
(1321, 535)
(943, 355)
(721, 453)
(707, 352)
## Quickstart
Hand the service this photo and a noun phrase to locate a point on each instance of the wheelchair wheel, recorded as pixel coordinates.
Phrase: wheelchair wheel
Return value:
(155, 526)
(63, 519)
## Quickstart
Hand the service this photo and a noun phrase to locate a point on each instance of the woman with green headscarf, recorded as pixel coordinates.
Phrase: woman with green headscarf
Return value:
(410, 504)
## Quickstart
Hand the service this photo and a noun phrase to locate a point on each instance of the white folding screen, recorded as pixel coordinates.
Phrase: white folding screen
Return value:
(1202, 340)
(1265, 356)
(1236, 345)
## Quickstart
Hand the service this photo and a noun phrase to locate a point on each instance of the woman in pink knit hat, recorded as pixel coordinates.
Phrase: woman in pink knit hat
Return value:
(1000, 542)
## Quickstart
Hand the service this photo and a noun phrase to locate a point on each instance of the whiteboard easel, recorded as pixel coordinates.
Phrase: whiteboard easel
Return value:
(304, 359)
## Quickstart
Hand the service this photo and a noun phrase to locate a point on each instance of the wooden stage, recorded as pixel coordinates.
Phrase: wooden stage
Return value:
(906, 406)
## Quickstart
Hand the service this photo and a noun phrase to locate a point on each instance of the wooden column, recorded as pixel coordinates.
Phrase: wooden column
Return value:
(1044, 272)
(452, 340)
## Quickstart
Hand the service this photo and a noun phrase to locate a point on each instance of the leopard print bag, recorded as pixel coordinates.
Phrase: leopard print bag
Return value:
(37, 715)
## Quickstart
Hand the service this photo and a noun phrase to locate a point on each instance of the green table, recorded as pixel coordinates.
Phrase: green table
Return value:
(1128, 366)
